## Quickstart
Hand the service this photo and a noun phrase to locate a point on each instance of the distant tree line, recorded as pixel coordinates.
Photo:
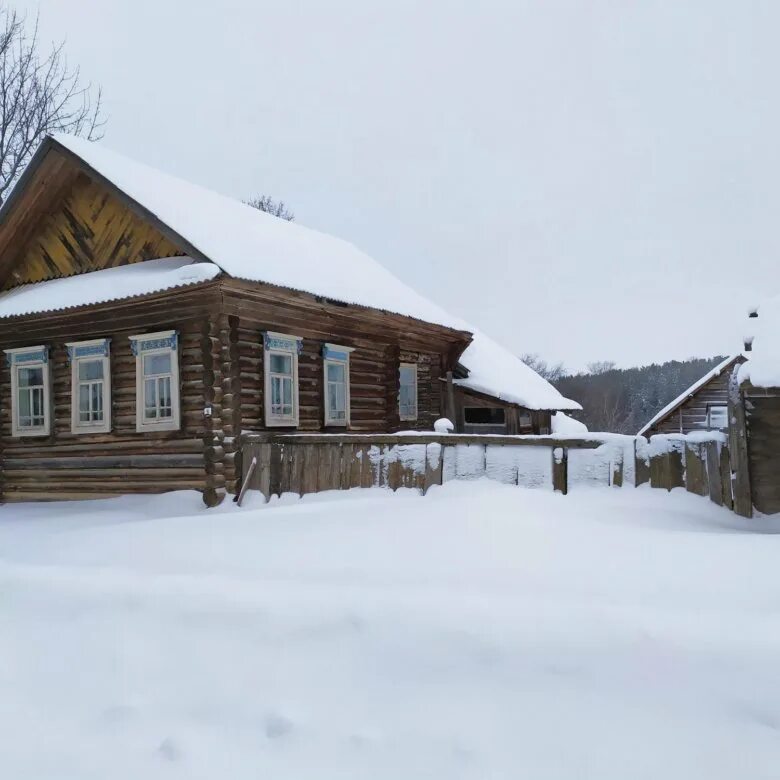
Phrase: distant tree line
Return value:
(622, 400)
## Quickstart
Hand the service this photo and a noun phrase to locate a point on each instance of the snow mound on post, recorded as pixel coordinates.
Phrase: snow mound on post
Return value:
(494, 370)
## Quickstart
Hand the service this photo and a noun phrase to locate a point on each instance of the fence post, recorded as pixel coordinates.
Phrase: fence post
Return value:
(560, 469)
(617, 469)
(641, 461)
(738, 447)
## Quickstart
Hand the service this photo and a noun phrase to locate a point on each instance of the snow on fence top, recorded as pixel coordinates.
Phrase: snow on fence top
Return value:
(110, 284)
(495, 371)
(683, 397)
(250, 244)
(763, 366)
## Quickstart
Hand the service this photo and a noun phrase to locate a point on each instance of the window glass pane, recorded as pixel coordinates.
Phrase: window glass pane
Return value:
(29, 377)
(719, 417)
(37, 402)
(25, 409)
(281, 364)
(288, 390)
(157, 364)
(408, 375)
(90, 370)
(150, 400)
(84, 398)
(336, 372)
(97, 401)
(164, 389)
(276, 391)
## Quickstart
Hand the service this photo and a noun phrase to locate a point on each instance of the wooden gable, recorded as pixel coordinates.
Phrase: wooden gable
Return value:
(62, 222)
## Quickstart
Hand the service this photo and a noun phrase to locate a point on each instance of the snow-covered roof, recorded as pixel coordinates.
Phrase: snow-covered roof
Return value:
(684, 396)
(495, 371)
(110, 284)
(250, 244)
(763, 366)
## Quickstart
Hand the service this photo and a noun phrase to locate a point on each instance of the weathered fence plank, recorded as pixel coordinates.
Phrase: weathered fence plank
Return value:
(725, 477)
(695, 473)
(617, 468)
(714, 479)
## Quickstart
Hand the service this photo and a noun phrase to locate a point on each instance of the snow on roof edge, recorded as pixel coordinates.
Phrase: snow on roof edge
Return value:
(96, 287)
(695, 387)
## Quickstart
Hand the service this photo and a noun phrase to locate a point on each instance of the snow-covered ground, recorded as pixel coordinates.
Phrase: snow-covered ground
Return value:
(484, 631)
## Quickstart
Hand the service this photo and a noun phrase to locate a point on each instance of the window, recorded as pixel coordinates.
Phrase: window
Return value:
(30, 404)
(407, 395)
(281, 378)
(157, 381)
(483, 415)
(90, 386)
(336, 382)
(717, 417)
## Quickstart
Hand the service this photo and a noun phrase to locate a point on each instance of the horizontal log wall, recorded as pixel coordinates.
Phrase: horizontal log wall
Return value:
(65, 465)
(380, 342)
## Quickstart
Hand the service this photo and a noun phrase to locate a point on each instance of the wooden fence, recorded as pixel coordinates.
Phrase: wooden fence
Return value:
(311, 463)
(698, 462)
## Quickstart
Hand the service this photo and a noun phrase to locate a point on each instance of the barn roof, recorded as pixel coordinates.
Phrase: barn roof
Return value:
(252, 245)
(763, 366)
(692, 390)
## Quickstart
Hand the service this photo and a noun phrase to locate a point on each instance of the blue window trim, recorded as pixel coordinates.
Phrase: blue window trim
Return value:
(33, 356)
(76, 351)
(139, 345)
(282, 343)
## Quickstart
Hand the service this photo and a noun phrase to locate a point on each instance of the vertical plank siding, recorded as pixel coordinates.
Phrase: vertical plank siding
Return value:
(762, 415)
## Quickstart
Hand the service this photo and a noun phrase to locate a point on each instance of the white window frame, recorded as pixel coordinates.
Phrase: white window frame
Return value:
(416, 394)
(89, 352)
(334, 354)
(29, 357)
(709, 419)
(287, 345)
(146, 344)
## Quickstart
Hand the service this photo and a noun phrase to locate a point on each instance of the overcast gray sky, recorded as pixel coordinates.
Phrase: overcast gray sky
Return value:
(585, 179)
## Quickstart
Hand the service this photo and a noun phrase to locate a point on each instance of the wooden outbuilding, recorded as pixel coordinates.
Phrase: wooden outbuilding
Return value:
(701, 407)
(147, 323)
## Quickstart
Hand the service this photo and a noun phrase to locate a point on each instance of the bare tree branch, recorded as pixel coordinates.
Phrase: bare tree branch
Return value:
(267, 204)
(39, 94)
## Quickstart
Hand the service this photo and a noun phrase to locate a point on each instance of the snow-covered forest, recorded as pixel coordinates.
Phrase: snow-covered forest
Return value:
(622, 400)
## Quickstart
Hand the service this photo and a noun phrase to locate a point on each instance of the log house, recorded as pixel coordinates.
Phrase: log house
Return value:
(147, 323)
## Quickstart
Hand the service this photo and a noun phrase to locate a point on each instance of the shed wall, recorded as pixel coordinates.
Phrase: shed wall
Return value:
(763, 428)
